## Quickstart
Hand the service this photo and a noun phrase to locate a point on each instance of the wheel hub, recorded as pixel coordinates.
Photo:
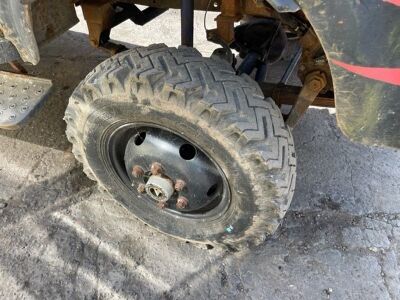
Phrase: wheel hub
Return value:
(170, 171)
(159, 188)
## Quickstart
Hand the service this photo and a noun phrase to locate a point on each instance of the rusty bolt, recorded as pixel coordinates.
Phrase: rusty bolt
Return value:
(316, 81)
(156, 168)
(179, 185)
(137, 171)
(316, 85)
(162, 204)
(141, 188)
(182, 202)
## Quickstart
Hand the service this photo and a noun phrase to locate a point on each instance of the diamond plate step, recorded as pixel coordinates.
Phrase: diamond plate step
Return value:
(20, 97)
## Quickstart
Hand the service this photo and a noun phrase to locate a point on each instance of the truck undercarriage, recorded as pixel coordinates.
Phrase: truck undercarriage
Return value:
(48, 19)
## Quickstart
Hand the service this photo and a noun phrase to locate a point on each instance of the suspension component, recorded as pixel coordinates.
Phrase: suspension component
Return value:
(259, 43)
(187, 17)
(313, 85)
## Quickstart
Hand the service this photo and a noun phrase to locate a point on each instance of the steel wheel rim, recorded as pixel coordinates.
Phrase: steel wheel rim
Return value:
(122, 139)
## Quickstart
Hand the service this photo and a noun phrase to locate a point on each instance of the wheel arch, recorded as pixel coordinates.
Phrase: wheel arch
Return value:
(360, 40)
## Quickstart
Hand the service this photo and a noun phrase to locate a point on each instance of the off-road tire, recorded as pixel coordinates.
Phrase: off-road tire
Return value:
(204, 100)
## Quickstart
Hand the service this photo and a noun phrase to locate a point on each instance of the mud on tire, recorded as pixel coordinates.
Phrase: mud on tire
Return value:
(204, 100)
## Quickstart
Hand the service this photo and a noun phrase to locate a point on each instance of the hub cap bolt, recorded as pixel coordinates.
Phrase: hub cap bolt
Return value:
(156, 168)
(179, 185)
(137, 171)
(182, 202)
(141, 188)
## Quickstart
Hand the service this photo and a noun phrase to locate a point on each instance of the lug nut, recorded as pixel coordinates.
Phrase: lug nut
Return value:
(137, 171)
(162, 204)
(179, 185)
(156, 168)
(141, 188)
(182, 202)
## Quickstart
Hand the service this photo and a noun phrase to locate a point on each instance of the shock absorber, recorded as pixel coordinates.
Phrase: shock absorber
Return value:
(187, 16)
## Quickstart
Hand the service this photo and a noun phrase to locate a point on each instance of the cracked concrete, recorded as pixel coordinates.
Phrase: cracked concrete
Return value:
(61, 239)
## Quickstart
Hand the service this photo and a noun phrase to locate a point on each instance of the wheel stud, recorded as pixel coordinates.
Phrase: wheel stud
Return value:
(162, 204)
(137, 171)
(141, 188)
(182, 202)
(179, 185)
(156, 168)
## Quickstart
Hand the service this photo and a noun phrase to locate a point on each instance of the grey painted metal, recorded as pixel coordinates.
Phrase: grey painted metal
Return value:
(20, 96)
(284, 6)
(7, 51)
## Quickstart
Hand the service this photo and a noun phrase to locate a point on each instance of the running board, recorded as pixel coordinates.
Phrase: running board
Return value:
(20, 97)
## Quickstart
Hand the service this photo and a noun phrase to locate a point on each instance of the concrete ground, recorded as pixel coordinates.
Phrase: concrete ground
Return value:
(61, 239)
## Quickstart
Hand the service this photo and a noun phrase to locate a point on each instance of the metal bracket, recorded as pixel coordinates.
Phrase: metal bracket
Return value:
(288, 95)
(231, 12)
(101, 18)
